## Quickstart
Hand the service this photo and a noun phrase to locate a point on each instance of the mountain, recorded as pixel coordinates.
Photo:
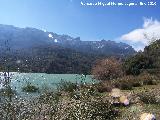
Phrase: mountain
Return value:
(102, 47)
(43, 51)
(20, 38)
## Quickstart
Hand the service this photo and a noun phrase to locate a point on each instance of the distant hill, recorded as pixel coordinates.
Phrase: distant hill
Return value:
(41, 51)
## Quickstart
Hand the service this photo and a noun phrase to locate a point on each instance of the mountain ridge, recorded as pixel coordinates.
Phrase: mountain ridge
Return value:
(52, 53)
(27, 37)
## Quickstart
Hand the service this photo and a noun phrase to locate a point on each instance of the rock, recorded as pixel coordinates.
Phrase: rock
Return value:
(115, 93)
(124, 100)
(147, 116)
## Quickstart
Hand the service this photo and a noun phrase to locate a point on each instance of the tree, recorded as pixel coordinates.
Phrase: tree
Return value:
(142, 61)
(107, 69)
(134, 65)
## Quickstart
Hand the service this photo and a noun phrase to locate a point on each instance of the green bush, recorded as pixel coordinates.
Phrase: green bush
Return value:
(134, 64)
(7, 92)
(30, 88)
(128, 82)
(67, 86)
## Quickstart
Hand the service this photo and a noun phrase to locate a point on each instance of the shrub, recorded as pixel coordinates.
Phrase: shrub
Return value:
(128, 82)
(67, 86)
(150, 97)
(126, 86)
(135, 64)
(107, 69)
(88, 106)
(136, 84)
(147, 79)
(124, 83)
(54, 105)
(30, 88)
(7, 92)
(93, 109)
(50, 97)
(103, 86)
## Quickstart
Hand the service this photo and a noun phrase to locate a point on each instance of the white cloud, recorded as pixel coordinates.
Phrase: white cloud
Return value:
(150, 29)
(138, 47)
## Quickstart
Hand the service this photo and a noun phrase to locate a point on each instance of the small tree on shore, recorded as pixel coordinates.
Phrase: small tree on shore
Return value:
(107, 69)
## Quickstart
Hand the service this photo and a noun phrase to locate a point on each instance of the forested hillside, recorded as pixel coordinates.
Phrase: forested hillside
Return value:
(34, 50)
(149, 60)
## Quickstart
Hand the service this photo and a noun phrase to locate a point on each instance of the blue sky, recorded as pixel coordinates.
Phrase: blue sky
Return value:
(88, 22)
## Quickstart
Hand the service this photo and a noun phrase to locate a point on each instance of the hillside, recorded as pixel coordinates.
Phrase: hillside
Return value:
(34, 50)
(149, 60)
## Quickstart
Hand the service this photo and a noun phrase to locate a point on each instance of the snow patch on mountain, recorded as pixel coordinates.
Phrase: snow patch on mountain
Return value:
(50, 35)
(55, 40)
(101, 46)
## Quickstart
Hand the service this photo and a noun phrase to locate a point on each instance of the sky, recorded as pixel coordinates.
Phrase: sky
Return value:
(119, 23)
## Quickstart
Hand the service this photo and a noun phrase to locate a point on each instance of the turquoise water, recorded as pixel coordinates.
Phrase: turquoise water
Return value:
(43, 80)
